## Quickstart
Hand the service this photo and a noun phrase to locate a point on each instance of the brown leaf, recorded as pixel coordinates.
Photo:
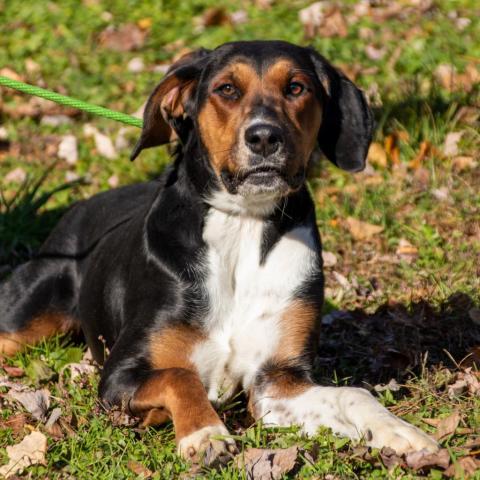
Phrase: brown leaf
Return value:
(450, 147)
(377, 155)
(424, 152)
(334, 25)
(448, 77)
(16, 423)
(464, 162)
(17, 175)
(447, 426)
(214, 16)
(463, 468)
(126, 38)
(392, 149)
(266, 464)
(465, 381)
(329, 259)
(35, 402)
(362, 230)
(423, 459)
(30, 451)
(406, 251)
(138, 469)
(14, 372)
(324, 20)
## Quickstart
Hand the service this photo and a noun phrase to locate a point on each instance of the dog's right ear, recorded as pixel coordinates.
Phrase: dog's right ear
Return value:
(166, 109)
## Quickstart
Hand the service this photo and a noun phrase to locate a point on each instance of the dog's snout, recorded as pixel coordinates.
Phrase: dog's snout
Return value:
(264, 139)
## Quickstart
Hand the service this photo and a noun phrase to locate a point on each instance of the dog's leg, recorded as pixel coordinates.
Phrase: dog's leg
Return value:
(351, 412)
(179, 394)
(37, 302)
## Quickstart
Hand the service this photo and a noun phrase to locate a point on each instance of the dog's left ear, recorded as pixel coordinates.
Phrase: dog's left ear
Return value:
(347, 125)
(166, 110)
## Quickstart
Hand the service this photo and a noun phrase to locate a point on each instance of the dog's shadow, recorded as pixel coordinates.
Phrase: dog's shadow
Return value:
(397, 341)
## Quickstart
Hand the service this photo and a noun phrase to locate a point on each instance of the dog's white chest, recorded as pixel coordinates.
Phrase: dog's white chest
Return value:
(246, 298)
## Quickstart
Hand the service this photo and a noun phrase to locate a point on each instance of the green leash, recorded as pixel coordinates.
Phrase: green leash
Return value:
(70, 102)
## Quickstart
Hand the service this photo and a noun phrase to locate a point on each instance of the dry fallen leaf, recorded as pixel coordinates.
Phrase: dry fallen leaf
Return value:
(103, 144)
(464, 467)
(450, 146)
(30, 451)
(35, 402)
(323, 19)
(138, 469)
(211, 17)
(422, 459)
(14, 372)
(329, 259)
(17, 175)
(465, 381)
(447, 426)
(464, 162)
(406, 251)
(67, 149)
(362, 230)
(16, 423)
(126, 38)
(266, 464)
(377, 155)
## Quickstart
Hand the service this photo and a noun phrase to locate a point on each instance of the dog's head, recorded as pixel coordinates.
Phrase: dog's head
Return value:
(258, 110)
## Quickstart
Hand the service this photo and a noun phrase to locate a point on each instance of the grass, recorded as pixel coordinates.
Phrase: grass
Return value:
(395, 308)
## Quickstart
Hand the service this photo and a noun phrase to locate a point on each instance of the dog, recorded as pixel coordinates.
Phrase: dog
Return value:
(209, 280)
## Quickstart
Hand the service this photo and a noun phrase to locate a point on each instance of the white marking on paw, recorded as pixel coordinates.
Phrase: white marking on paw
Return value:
(194, 445)
(350, 412)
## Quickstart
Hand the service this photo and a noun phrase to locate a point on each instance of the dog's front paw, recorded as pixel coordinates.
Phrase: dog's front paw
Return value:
(209, 445)
(390, 431)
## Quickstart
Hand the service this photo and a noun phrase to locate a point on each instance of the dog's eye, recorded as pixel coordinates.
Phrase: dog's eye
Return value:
(227, 90)
(295, 89)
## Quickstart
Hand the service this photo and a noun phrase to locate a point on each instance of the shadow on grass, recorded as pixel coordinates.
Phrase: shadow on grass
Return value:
(397, 341)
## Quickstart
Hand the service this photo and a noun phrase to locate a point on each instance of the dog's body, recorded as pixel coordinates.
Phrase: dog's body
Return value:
(210, 280)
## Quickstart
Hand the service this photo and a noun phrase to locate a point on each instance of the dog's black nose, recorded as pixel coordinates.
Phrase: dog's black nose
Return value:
(263, 139)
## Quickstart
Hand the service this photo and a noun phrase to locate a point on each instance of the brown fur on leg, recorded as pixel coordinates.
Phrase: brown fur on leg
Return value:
(176, 393)
(38, 328)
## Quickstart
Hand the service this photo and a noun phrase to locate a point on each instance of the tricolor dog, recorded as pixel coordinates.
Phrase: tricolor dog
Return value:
(209, 280)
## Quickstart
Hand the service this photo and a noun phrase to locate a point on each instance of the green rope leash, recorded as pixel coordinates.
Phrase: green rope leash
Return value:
(70, 102)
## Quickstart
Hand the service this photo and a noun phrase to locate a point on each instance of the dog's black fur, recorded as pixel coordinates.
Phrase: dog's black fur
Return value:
(130, 261)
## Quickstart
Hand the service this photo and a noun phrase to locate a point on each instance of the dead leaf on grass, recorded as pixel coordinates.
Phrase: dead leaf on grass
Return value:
(16, 423)
(13, 372)
(464, 162)
(362, 230)
(447, 426)
(424, 459)
(267, 464)
(30, 451)
(450, 146)
(406, 251)
(329, 259)
(465, 467)
(323, 19)
(36, 402)
(125, 38)
(211, 17)
(17, 175)
(138, 469)
(465, 381)
(377, 155)
(68, 150)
